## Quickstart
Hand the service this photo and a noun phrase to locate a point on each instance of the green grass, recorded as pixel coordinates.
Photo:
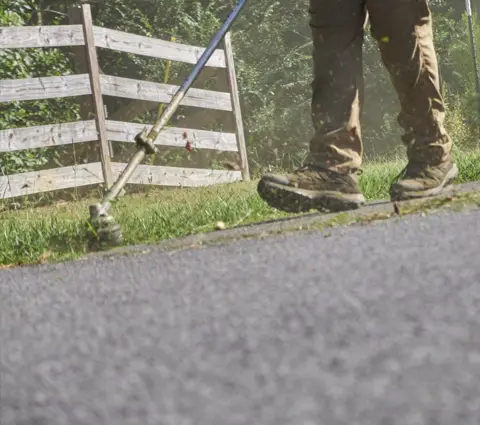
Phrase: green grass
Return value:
(59, 232)
(377, 175)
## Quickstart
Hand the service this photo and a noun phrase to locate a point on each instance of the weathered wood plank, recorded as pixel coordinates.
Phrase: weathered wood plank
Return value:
(80, 62)
(176, 176)
(236, 107)
(94, 73)
(44, 88)
(155, 48)
(49, 180)
(41, 36)
(163, 93)
(43, 136)
(171, 136)
(89, 174)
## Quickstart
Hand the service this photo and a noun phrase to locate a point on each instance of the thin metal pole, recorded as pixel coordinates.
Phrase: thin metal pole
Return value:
(474, 50)
(174, 103)
(125, 176)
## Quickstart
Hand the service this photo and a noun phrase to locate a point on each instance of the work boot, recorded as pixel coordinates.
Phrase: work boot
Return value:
(419, 180)
(311, 187)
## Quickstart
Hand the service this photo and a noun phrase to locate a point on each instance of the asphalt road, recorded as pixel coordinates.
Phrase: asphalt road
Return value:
(371, 325)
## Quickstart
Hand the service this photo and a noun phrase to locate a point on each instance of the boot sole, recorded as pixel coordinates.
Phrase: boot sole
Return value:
(293, 200)
(397, 194)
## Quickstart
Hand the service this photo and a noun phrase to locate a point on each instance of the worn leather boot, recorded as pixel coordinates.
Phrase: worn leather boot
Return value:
(419, 180)
(311, 188)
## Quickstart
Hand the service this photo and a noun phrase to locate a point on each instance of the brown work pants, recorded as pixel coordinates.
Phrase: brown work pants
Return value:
(403, 30)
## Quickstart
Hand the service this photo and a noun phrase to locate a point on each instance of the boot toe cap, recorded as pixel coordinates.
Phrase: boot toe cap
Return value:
(276, 178)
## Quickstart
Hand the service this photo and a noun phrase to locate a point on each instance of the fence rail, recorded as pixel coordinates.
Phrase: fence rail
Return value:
(103, 130)
(79, 85)
(90, 174)
(44, 136)
(163, 93)
(145, 46)
(72, 35)
(41, 36)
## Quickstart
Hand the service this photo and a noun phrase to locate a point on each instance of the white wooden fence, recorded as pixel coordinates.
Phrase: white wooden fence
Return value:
(102, 130)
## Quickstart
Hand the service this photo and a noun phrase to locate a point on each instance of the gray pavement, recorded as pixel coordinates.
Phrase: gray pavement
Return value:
(367, 325)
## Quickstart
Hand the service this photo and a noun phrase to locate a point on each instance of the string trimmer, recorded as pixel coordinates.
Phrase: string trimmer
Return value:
(105, 231)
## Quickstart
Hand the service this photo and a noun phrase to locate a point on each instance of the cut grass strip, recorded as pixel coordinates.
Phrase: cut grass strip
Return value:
(60, 232)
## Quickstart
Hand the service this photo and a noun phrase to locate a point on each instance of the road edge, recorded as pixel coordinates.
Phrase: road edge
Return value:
(459, 197)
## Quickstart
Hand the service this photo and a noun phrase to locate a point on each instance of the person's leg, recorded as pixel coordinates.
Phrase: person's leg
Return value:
(338, 31)
(327, 181)
(403, 29)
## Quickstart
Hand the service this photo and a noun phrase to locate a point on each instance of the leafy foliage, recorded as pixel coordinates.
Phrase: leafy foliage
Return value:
(273, 52)
(30, 63)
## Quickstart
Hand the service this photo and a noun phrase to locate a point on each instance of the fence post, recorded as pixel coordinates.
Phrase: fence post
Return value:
(237, 113)
(80, 63)
(94, 72)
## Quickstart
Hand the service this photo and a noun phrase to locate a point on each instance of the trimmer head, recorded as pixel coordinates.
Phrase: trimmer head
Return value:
(104, 231)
